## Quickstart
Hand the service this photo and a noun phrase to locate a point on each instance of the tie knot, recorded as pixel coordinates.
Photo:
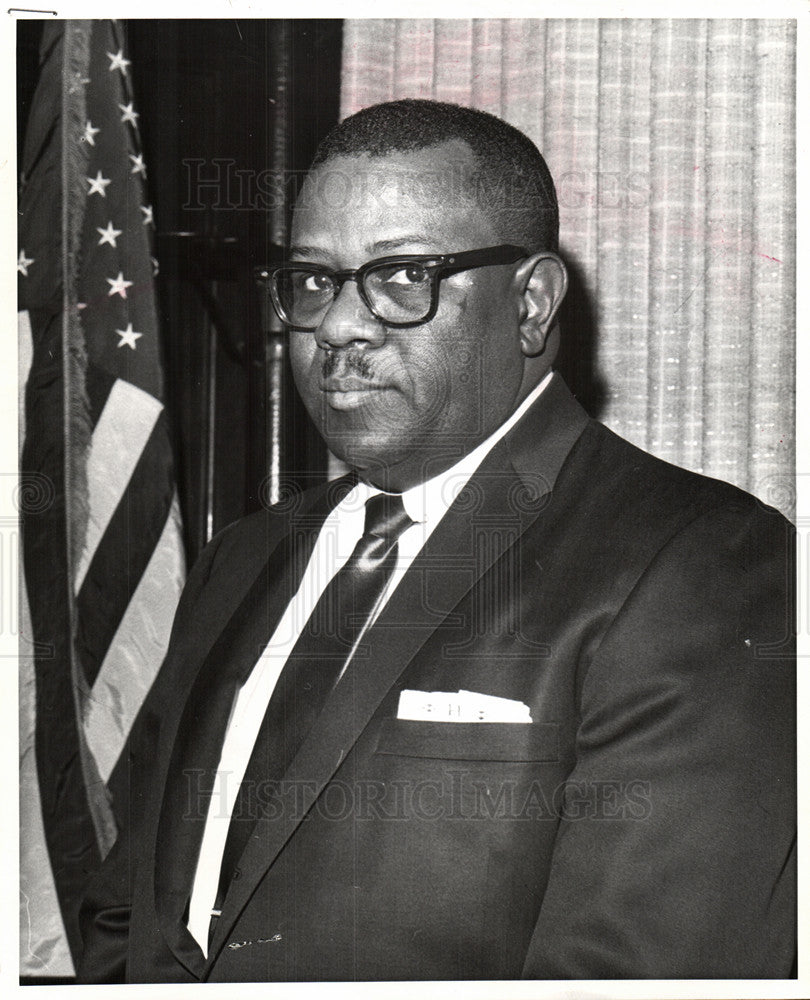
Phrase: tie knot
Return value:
(386, 517)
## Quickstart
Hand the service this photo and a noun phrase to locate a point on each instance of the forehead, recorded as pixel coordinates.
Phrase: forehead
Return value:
(354, 204)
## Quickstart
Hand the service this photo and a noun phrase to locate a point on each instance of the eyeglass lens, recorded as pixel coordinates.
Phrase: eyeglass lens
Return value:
(398, 293)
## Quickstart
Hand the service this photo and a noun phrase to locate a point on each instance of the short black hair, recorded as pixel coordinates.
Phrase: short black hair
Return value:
(512, 183)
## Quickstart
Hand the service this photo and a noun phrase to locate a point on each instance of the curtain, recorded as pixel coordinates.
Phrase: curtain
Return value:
(672, 143)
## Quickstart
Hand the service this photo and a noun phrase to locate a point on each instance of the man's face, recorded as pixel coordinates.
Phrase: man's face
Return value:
(399, 405)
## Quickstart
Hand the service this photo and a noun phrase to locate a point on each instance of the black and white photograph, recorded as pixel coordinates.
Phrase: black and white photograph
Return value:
(406, 509)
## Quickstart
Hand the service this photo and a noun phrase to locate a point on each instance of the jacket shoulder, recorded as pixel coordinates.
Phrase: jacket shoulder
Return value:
(251, 538)
(626, 476)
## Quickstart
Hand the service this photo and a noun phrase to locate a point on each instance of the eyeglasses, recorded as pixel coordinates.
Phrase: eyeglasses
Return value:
(401, 291)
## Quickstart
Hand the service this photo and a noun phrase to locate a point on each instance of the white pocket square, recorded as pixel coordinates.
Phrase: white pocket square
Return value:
(460, 706)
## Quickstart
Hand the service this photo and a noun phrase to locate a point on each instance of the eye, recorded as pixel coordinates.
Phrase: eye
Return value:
(317, 283)
(408, 274)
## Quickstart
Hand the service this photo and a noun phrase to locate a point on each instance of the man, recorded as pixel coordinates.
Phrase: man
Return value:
(512, 700)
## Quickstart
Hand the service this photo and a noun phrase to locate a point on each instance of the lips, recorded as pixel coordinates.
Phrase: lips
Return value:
(350, 383)
(351, 392)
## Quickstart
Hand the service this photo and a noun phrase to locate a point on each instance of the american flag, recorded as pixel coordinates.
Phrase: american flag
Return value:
(103, 563)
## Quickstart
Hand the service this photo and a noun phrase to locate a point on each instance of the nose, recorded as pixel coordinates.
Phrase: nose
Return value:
(349, 321)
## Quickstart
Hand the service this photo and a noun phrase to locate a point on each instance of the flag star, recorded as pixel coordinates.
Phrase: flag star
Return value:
(129, 114)
(98, 185)
(138, 166)
(90, 133)
(23, 263)
(108, 235)
(128, 337)
(155, 266)
(119, 285)
(147, 215)
(118, 61)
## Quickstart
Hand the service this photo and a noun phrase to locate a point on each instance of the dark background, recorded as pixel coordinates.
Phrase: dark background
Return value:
(206, 92)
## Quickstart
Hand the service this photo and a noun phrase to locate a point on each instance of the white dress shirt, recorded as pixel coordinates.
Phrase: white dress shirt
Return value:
(425, 504)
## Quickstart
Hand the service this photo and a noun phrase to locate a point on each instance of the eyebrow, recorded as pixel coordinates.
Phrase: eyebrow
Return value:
(386, 246)
(305, 252)
(379, 248)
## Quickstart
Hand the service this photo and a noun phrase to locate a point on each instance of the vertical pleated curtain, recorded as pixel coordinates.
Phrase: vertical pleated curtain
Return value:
(672, 143)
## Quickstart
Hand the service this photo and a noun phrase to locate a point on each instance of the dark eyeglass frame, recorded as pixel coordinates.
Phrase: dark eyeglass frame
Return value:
(438, 266)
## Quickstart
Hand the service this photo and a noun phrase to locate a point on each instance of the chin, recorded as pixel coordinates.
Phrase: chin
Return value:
(368, 455)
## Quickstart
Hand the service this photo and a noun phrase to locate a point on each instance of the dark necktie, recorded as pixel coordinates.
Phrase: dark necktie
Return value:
(314, 666)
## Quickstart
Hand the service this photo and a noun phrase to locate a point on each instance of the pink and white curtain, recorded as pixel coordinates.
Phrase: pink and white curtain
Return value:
(673, 146)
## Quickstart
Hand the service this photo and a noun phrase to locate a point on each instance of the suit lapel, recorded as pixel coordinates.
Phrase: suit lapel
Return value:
(509, 489)
(198, 737)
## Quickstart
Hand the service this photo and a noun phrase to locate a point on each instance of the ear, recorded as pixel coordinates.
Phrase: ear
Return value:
(543, 283)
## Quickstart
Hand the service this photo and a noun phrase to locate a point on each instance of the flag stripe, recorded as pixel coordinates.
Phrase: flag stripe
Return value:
(124, 427)
(25, 353)
(67, 823)
(124, 551)
(69, 830)
(136, 651)
(99, 386)
(43, 945)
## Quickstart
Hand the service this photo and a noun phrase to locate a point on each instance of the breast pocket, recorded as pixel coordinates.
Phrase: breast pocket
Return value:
(486, 741)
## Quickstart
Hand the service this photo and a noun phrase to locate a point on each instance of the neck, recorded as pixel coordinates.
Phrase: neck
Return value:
(404, 475)
(412, 471)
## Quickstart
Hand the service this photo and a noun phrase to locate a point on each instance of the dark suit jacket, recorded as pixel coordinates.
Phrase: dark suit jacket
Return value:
(641, 826)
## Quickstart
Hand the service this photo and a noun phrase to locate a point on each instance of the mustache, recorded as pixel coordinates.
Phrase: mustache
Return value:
(352, 362)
